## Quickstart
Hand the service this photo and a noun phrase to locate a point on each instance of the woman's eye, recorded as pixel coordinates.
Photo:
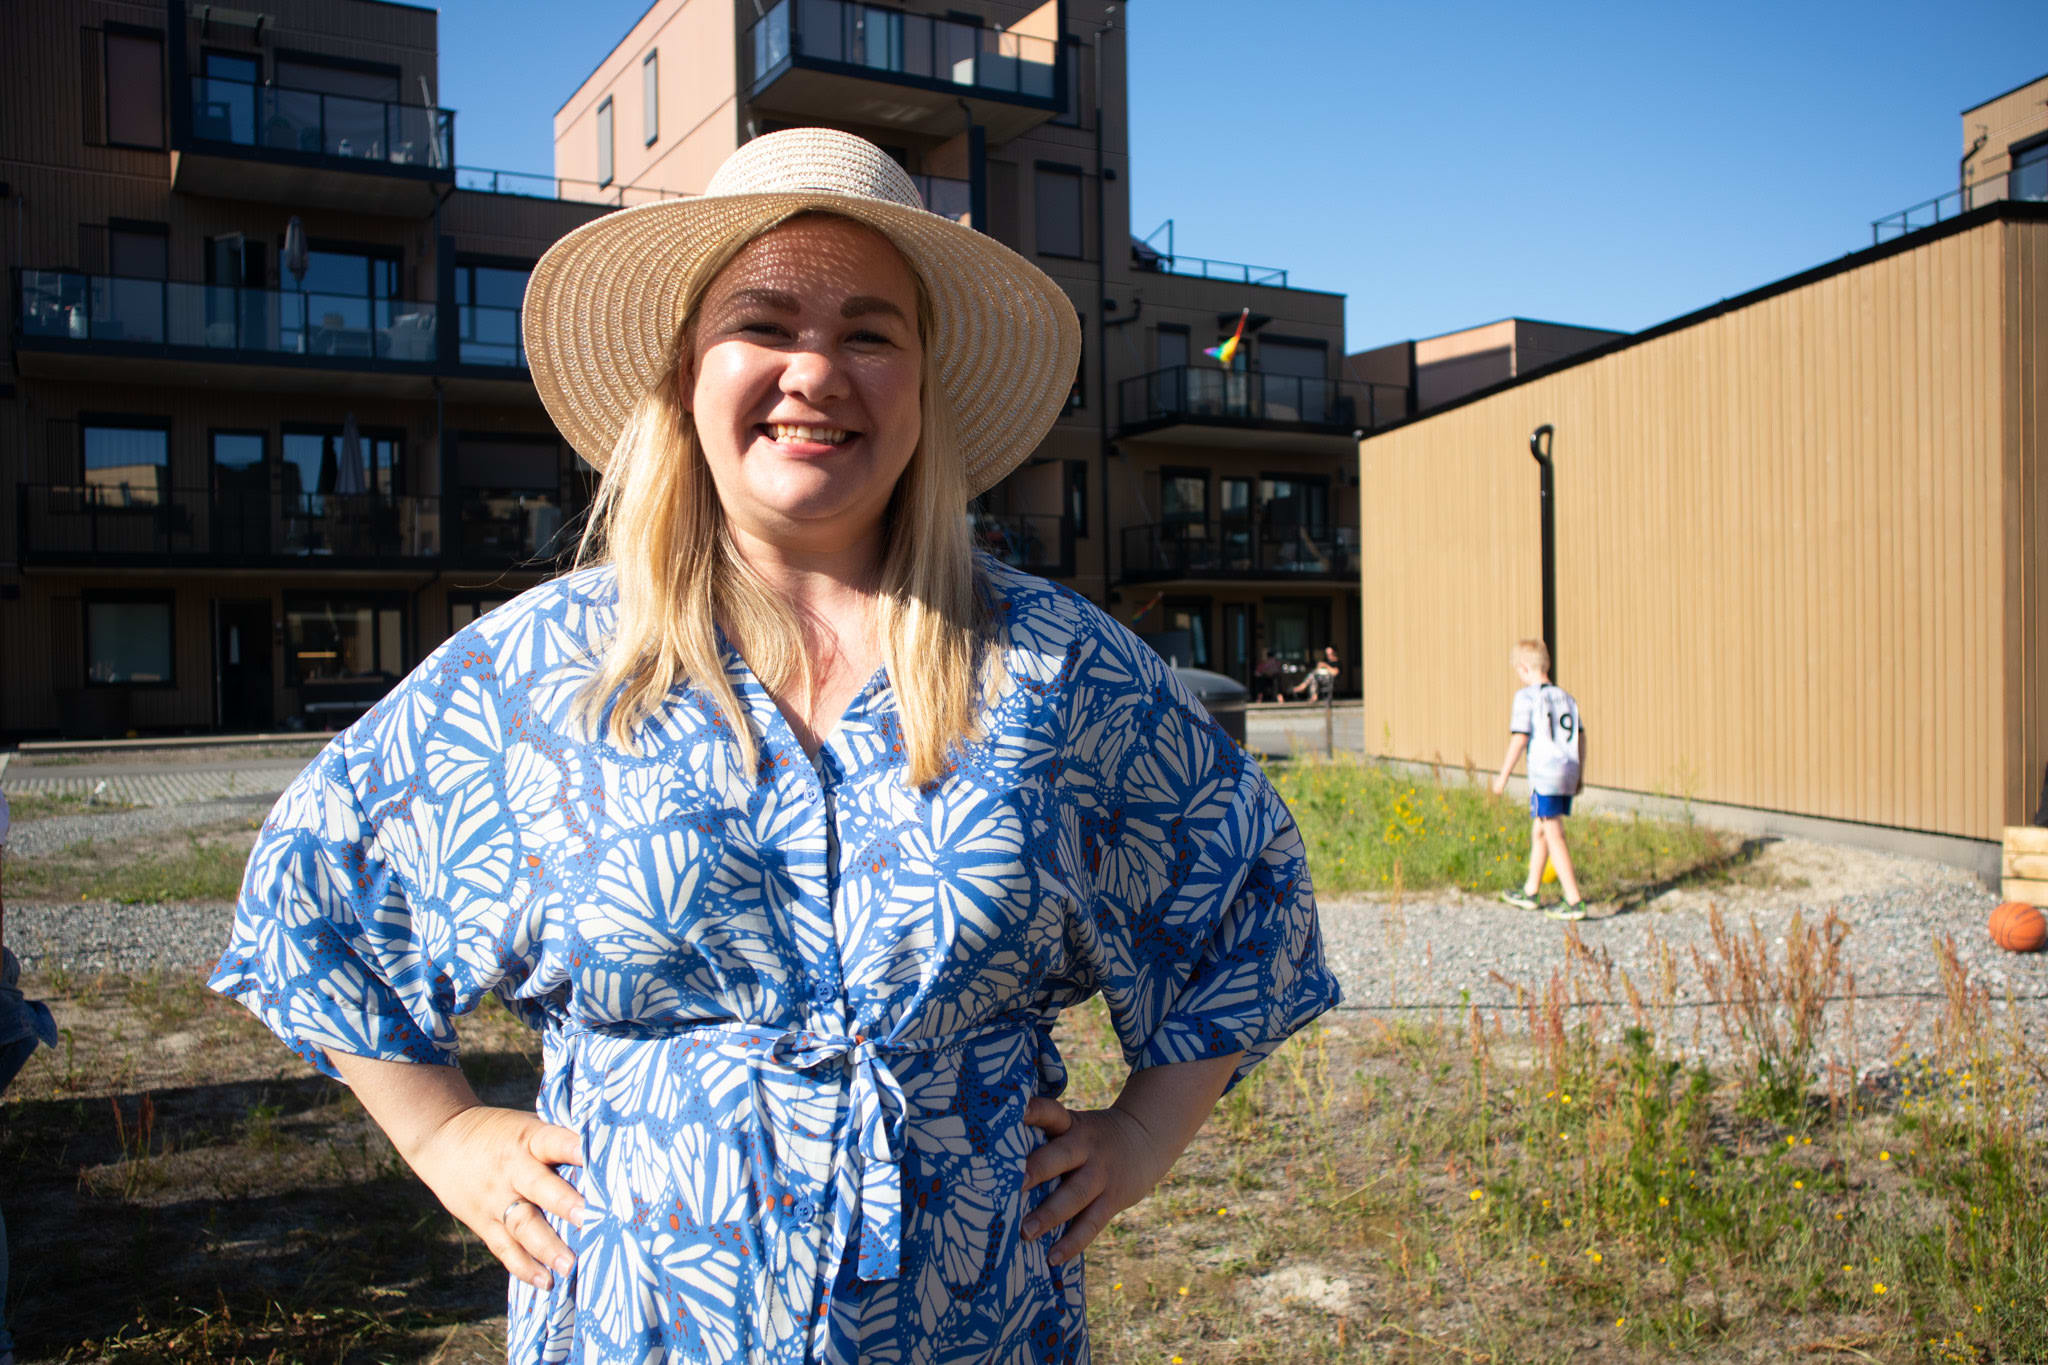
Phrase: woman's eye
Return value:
(871, 339)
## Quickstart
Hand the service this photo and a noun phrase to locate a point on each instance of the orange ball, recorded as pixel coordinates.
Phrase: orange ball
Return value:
(2019, 928)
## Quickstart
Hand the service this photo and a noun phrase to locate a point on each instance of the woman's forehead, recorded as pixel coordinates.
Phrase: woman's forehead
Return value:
(817, 258)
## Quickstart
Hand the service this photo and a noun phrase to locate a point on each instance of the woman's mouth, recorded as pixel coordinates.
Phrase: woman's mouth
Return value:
(795, 434)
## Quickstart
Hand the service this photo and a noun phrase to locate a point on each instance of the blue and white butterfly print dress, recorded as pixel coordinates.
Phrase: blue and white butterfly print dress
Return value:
(794, 1020)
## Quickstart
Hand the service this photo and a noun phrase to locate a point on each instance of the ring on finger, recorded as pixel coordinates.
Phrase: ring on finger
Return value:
(511, 1209)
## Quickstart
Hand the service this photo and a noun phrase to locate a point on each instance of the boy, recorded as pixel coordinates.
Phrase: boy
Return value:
(1546, 723)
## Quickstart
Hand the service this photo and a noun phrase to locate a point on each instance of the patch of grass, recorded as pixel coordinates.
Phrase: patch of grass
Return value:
(203, 864)
(46, 805)
(1371, 828)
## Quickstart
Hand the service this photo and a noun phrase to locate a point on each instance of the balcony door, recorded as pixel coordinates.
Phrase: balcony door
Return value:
(511, 498)
(343, 499)
(240, 494)
(242, 673)
(224, 105)
(1296, 513)
(240, 310)
(488, 296)
(1295, 379)
(344, 305)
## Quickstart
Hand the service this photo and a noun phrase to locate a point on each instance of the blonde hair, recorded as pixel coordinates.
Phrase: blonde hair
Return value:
(1534, 653)
(658, 521)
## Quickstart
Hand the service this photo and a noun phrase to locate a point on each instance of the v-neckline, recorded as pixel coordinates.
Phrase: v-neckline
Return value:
(736, 661)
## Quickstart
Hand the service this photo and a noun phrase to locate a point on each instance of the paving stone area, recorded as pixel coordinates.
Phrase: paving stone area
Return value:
(154, 786)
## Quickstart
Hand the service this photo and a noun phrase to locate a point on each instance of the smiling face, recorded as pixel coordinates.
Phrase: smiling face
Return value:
(803, 372)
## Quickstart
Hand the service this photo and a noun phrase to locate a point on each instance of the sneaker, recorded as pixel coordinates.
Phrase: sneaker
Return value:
(1521, 900)
(1567, 910)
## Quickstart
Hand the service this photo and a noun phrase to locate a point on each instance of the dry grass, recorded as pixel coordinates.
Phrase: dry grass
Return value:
(1497, 1188)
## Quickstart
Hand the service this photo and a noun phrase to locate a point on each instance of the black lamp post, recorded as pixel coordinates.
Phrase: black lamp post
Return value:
(1539, 446)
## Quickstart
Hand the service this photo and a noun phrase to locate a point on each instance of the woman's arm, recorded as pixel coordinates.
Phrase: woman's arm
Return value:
(1111, 1158)
(476, 1159)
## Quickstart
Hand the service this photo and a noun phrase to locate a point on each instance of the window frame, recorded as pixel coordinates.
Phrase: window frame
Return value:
(650, 97)
(121, 421)
(607, 135)
(164, 597)
(1169, 473)
(108, 32)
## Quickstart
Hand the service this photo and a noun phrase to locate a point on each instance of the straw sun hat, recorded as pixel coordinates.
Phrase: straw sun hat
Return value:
(604, 302)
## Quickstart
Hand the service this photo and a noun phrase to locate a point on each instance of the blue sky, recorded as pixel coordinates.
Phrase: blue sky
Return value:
(1447, 164)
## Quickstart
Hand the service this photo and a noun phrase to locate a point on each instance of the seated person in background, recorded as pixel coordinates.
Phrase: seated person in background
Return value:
(1266, 678)
(1321, 681)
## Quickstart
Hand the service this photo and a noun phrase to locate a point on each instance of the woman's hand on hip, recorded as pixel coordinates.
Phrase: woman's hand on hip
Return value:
(1105, 1160)
(491, 1168)
(494, 1170)
(1109, 1159)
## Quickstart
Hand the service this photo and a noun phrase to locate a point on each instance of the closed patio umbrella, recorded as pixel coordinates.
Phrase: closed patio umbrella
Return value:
(349, 476)
(294, 255)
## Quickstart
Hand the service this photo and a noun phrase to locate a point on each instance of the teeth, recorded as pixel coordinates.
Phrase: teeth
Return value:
(784, 431)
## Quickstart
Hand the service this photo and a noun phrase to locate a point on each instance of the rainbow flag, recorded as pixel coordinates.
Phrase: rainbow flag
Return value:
(1227, 352)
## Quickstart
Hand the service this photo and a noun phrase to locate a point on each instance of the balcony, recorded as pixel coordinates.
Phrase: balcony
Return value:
(72, 325)
(149, 524)
(841, 60)
(2027, 181)
(1206, 405)
(1036, 544)
(1239, 549)
(304, 148)
(514, 528)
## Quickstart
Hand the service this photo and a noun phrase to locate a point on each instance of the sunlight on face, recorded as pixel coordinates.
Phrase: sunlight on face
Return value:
(803, 375)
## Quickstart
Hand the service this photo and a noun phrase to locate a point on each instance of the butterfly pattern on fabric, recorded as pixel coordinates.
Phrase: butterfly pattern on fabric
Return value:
(795, 1021)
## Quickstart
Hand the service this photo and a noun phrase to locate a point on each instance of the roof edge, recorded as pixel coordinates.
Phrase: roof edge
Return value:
(2018, 210)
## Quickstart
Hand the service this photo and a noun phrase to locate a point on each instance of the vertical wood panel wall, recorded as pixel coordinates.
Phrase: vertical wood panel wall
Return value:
(1781, 551)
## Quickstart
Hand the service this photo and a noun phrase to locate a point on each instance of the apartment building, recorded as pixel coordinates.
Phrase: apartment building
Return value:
(266, 432)
(1442, 369)
(1214, 511)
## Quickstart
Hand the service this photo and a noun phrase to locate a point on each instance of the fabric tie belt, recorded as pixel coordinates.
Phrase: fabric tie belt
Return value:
(875, 1097)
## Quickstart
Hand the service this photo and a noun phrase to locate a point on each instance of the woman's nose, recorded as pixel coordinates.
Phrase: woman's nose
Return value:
(812, 372)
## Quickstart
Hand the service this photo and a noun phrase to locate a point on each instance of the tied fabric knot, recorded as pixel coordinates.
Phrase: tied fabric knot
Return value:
(878, 1106)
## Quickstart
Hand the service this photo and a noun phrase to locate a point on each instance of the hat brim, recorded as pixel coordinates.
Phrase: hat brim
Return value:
(603, 304)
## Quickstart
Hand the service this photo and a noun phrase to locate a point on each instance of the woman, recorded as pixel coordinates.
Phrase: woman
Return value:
(788, 821)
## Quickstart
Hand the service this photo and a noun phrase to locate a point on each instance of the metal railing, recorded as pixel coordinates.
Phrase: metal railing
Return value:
(242, 114)
(1201, 267)
(2029, 182)
(1198, 393)
(1244, 547)
(529, 185)
(513, 526)
(891, 42)
(1028, 541)
(232, 319)
(109, 521)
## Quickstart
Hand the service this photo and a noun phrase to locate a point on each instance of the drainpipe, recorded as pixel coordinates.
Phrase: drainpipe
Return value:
(1963, 167)
(1539, 446)
(1101, 296)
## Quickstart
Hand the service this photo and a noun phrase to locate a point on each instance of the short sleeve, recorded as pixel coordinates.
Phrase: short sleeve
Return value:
(1200, 926)
(1522, 718)
(324, 950)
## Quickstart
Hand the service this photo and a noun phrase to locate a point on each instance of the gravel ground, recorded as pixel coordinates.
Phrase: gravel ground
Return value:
(33, 838)
(1416, 953)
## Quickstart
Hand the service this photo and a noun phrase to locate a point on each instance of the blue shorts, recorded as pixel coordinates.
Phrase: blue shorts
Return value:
(1543, 807)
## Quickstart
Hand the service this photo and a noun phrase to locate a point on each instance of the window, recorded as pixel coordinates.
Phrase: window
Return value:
(132, 304)
(2029, 177)
(128, 639)
(328, 639)
(604, 143)
(348, 305)
(1190, 619)
(346, 81)
(1059, 211)
(1184, 495)
(511, 498)
(487, 300)
(224, 109)
(1294, 377)
(338, 108)
(463, 610)
(127, 466)
(135, 89)
(319, 461)
(240, 495)
(650, 95)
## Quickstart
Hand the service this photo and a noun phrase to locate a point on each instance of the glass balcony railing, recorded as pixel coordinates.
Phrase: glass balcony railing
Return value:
(947, 197)
(1193, 393)
(514, 526)
(2028, 180)
(1034, 543)
(108, 521)
(891, 42)
(529, 185)
(489, 334)
(230, 319)
(1243, 547)
(271, 117)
